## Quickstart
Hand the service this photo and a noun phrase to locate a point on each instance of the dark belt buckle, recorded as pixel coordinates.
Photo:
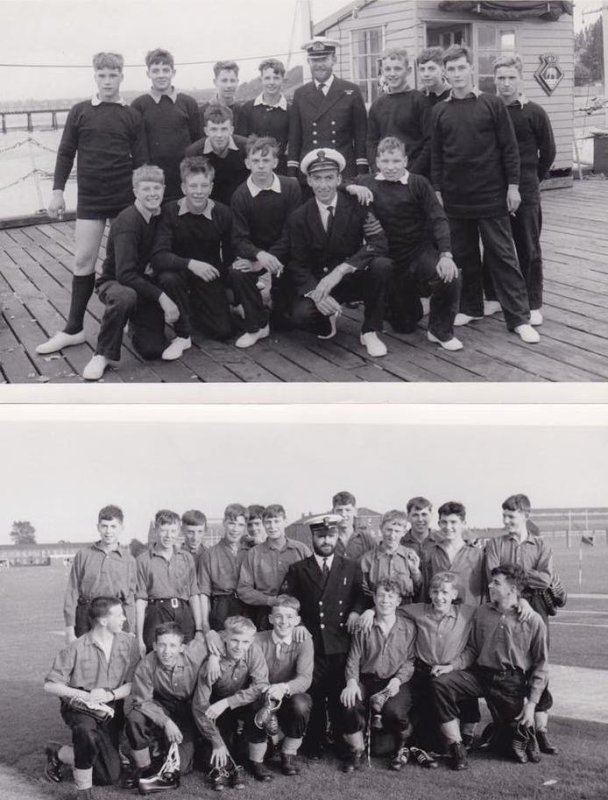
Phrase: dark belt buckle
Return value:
(174, 602)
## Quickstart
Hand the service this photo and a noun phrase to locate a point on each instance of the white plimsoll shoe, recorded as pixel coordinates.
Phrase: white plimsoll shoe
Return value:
(59, 341)
(527, 334)
(536, 316)
(95, 368)
(463, 319)
(333, 321)
(249, 339)
(452, 344)
(374, 346)
(491, 307)
(176, 349)
(426, 306)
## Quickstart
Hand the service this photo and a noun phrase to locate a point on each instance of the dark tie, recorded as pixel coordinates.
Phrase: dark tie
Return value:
(320, 88)
(325, 569)
(330, 220)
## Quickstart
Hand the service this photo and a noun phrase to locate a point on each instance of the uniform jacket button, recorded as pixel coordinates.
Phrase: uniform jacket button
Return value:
(321, 626)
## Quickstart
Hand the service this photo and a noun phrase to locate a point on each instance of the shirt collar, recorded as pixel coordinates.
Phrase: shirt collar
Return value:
(319, 559)
(156, 95)
(324, 210)
(147, 215)
(451, 612)
(326, 83)
(98, 546)
(521, 100)
(254, 190)
(95, 101)
(276, 640)
(207, 148)
(446, 87)
(403, 179)
(259, 101)
(183, 208)
(474, 91)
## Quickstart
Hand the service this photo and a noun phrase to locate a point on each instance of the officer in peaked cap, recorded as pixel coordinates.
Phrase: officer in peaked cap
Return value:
(324, 523)
(322, 158)
(327, 112)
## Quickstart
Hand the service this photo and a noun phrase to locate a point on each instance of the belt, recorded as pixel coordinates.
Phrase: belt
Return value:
(174, 602)
(86, 601)
(500, 673)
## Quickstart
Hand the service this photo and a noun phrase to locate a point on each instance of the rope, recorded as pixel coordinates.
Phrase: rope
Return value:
(41, 172)
(29, 140)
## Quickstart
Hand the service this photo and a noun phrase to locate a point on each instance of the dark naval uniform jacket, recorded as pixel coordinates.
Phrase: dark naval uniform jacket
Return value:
(356, 238)
(325, 606)
(337, 120)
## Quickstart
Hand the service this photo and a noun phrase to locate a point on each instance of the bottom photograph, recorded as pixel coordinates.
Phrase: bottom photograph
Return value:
(301, 601)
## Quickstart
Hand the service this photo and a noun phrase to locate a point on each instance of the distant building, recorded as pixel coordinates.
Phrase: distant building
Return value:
(39, 555)
(366, 518)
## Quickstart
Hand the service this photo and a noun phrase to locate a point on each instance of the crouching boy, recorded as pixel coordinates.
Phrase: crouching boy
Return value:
(95, 669)
(125, 286)
(223, 696)
(378, 668)
(290, 667)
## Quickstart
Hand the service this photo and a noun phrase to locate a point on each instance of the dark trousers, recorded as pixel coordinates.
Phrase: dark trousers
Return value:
(159, 611)
(395, 712)
(526, 226)
(293, 716)
(222, 607)
(370, 285)
(445, 297)
(141, 731)
(246, 292)
(96, 743)
(83, 624)
(501, 261)
(426, 723)
(325, 690)
(202, 305)
(145, 317)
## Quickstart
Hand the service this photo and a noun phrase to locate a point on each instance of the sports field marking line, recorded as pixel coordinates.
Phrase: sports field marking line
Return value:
(580, 624)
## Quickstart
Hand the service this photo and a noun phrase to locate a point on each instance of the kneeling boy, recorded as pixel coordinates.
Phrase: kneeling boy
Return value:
(125, 286)
(191, 251)
(379, 665)
(163, 686)
(419, 243)
(97, 668)
(290, 667)
(219, 703)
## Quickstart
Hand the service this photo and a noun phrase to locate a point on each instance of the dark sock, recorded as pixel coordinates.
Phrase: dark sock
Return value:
(82, 289)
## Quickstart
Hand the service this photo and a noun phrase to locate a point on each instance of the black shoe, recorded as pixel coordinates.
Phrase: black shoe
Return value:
(289, 765)
(519, 744)
(53, 771)
(458, 756)
(260, 772)
(467, 740)
(353, 761)
(159, 782)
(236, 776)
(376, 722)
(400, 759)
(423, 758)
(545, 745)
(218, 779)
(532, 748)
(131, 779)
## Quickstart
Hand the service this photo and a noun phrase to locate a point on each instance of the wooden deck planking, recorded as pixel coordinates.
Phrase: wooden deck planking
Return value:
(35, 277)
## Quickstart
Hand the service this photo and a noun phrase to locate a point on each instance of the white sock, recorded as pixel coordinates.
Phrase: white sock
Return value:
(83, 778)
(257, 751)
(291, 746)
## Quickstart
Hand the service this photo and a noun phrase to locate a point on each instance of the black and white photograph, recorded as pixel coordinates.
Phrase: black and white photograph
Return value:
(296, 191)
(304, 601)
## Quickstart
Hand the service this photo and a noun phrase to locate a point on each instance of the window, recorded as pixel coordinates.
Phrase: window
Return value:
(492, 41)
(367, 46)
(441, 35)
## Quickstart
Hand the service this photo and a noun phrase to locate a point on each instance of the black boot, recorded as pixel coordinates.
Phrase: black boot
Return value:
(159, 782)
(289, 765)
(353, 760)
(519, 744)
(260, 772)
(458, 756)
(545, 745)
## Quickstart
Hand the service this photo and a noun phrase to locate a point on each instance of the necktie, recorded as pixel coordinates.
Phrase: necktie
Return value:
(330, 220)
(325, 569)
(320, 88)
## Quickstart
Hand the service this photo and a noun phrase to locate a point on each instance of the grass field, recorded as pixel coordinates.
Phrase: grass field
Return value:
(31, 632)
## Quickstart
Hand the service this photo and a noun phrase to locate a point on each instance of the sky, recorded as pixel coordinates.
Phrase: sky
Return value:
(68, 32)
(59, 468)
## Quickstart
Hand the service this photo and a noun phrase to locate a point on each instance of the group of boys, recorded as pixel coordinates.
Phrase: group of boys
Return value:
(222, 227)
(259, 639)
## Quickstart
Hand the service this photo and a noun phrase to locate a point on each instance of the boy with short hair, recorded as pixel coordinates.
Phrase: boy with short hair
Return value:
(419, 515)
(194, 528)
(105, 569)
(355, 537)
(418, 236)
(226, 82)
(220, 703)
(97, 668)
(400, 112)
(225, 151)
(391, 560)
(108, 137)
(218, 573)
(256, 533)
(379, 666)
(290, 667)
(124, 285)
(171, 119)
(167, 589)
(269, 113)
(265, 565)
(430, 69)
(260, 209)
(190, 257)
(163, 686)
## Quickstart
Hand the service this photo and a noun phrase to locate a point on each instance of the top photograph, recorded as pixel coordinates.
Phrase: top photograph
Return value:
(304, 191)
